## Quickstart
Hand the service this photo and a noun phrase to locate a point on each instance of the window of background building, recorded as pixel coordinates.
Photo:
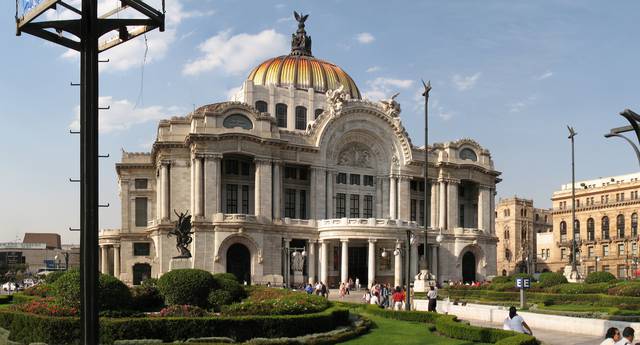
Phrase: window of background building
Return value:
(301, 118)
(591, 252)
(634, 225)
(620, 226)
(368, 180)
(576, 230)
(548, 253)
(303, 204)
(354, 211)
(577, 202)
(232, 198)
(414, 209)
(563, 231)
(290, 173)
(605, 228)
(634, 248)
(590, 269)
(245, 199)
(341, 207)
(290, 203)
(341, 178)
(421, 213)
(621, 249)
(591, 231)
(367, 210)
(141, 249)
(141, 211)
(605, 250)
(354, 179)
(461, 216)
(281, 115)
(605, 268)
(622, 272)
(141, 183)
(563, 253)
(261, 106)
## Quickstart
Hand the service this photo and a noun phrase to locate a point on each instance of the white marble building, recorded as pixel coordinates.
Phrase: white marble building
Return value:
(299, 160)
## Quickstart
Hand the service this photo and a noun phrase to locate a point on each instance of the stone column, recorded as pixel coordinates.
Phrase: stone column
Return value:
(125, 215)
(371, 263)
(324, 261)
(397, 267)
(313, 186)
(452, 207)
(484, 209)
(415, 260)
(104, 251)
(331, 179)
(277, 190)
(212, 185)
(378, 201)
(262, 203)
(393, 199)
(165, 193)
(344, 261)
(404, 198)
(434, 205)
(116, 260)
(385, 197)
(198, 210)
(159, 193)
(311, 263)
(442, 210)
(492, 208)
(320, 202)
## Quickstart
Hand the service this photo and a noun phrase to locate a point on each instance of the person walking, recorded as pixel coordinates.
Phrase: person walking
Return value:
(611, 337)
(515, 322)
(398, 299)
(627, 336)
(343, 290)
(432, 295)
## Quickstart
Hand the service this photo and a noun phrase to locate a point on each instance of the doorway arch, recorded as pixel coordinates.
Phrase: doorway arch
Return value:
(140, 273)
(239, 262)
(468, 267)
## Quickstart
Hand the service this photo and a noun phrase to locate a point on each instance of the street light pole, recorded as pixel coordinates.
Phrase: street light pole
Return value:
(427, 189)
(572, 134)
(408, 272)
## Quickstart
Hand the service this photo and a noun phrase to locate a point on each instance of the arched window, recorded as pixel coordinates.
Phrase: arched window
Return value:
(301, 118)
(634, 225)
(506, 232)
(563, 231)
(576, 231)
(467, 153)
(504, 273)
(507, 254)
(261, 106)
(237, 120)
(620, 226)
(605, 228)
(591, 230)
(318, 112)
(281, 115)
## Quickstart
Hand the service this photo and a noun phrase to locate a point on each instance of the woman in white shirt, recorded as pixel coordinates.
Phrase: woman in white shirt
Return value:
(515, 322)
(611, 337)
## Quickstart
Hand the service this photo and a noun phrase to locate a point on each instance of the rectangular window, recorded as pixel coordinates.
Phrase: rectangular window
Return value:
(354, 211)
(231, 167)
(367, 211)
(341, 178)
(591, 252)
(577, 202)
(605, 250)
(461, 216)
(303, 173)
(605, 268)
(413, 185)
(548, 253)
(368, 180)
(414, 209)
(141, 249)
(354, 179)
(141, 211)
(621, 249)
(245, 199)
(622, 272)
(141, 183)
(232, 198)
(341, 205)
(245, 168)
(290, 173)
(290, 203)
(563, 253)
(303, 204)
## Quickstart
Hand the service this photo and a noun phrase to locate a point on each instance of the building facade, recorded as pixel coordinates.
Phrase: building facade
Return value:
(299, 162)
(518, 225)
(606, 227)
(39, 252)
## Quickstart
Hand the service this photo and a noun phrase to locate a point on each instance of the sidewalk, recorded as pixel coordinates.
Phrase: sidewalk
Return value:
(551, 337)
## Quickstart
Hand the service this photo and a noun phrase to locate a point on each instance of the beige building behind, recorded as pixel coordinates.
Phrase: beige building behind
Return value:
(518, 225)
(606, 225)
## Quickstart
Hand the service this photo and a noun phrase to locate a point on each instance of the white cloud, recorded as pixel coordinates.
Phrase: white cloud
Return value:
(123, 114)
(373, 69)
(231, 93)
(365, 38)
(544, 75)
(381, 88)
(235, 54)
(463, 83)
(519, 106)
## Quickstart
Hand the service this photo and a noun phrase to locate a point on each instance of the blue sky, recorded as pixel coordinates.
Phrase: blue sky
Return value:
(509, 74)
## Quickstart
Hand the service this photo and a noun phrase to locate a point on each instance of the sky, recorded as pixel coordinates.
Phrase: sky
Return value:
(509, 74)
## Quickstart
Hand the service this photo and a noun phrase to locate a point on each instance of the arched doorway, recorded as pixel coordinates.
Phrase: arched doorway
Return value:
(468, 267)
(140, 273)
(239, 262)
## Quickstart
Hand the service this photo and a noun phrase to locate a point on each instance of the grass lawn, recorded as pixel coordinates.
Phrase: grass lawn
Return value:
(392, 332)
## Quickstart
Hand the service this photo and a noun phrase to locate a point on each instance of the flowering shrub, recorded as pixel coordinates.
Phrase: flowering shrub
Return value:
(183, 311)
(287, 303)
(46, 307)
(40, 290)
(626, 289)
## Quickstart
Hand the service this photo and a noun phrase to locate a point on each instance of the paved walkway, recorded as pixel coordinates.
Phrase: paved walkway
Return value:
(547, 337)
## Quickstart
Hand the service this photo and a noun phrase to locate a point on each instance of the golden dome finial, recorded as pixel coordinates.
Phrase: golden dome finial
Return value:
(300, 42)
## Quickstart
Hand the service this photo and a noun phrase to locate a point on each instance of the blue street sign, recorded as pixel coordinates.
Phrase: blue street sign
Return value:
(523, 283)
(519, 283)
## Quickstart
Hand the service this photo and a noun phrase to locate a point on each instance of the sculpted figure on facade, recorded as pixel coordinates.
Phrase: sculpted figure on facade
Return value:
(355, 155)
(390, 106)
(183, 233)
(336, 99)
(297, 262)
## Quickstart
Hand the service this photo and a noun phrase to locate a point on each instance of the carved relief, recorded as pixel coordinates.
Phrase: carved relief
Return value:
(390, 106)
(356, 155)
(336, 99)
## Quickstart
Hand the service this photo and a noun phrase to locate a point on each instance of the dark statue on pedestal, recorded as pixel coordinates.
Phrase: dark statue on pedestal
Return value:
(300, 42)
(183, 233)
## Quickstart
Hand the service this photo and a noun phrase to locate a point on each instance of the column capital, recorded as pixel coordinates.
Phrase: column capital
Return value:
(344, 240)
(404, 178)
(164, 162)
(262, 161)
(373, 240)
(116, 245)
(286, 241)
(208, 155)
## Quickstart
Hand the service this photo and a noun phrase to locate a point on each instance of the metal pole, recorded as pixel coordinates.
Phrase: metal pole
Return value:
(572, 134)
(408, 272)
(427, 189)
(89, 172)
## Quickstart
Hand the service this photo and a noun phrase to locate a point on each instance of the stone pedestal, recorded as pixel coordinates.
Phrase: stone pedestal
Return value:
(298, 278)
(176, 264)
(423, 281)
(572, 276)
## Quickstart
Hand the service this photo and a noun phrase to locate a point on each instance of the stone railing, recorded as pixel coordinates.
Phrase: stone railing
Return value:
(368, 222)
(467, 231)
(235, 218)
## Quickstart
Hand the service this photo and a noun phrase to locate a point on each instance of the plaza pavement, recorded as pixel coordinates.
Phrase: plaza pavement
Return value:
(547, 337)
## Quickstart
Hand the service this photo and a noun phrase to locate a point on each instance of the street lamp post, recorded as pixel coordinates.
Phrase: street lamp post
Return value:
(597, 260)
(574, 271)
(289, 252)
(634, 120)
(427, 189)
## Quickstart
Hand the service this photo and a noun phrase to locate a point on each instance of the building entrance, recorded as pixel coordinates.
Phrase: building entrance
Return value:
(239, 262)
(358, 264)
(468, 267)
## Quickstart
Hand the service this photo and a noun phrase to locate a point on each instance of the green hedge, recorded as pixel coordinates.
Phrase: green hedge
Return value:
(186, 286)
(6, 299)
(599, 277)
(29, 328)
(538, 297)
(552, 278)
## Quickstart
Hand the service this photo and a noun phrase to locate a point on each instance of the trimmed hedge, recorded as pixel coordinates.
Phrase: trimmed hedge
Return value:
(27, 328)
(146, 296)
(538, 297)
(113, 294)
(548, 279)
(186, 286)
(599, 277)
(6, 299)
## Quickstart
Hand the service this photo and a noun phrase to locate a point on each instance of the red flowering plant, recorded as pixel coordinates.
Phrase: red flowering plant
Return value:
(47, 307)
(39, 290)
(183, 311)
